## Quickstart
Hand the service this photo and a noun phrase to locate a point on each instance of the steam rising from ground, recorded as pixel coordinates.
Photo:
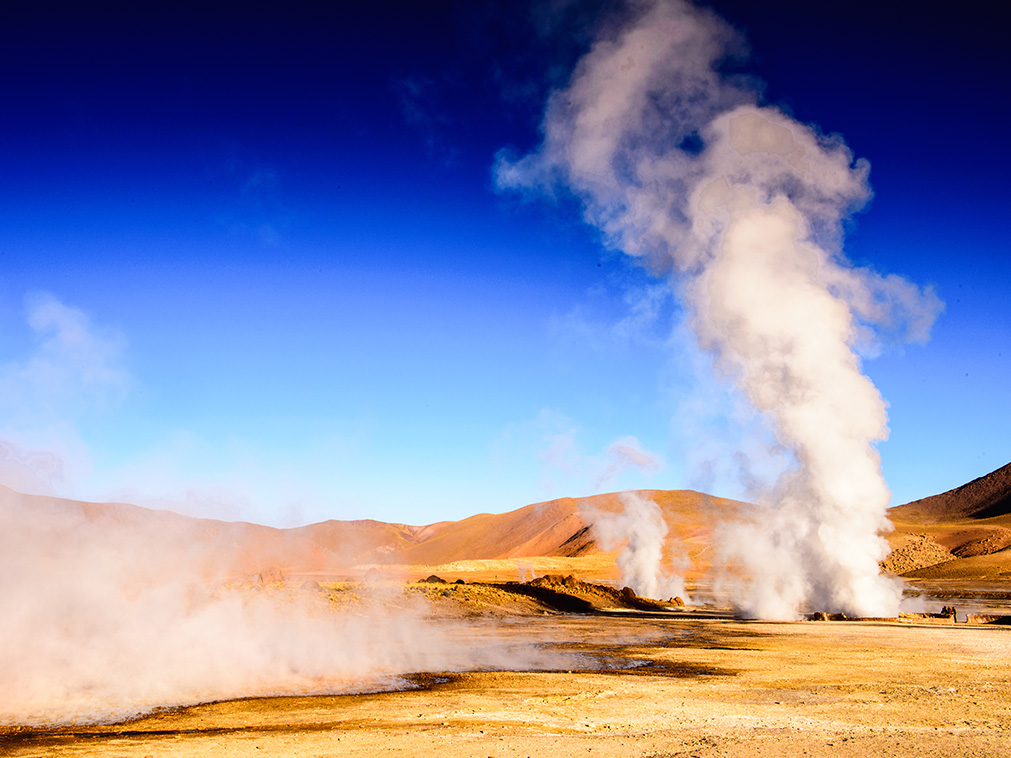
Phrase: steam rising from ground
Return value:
(639, 532)
(107, 615)
(681, 168)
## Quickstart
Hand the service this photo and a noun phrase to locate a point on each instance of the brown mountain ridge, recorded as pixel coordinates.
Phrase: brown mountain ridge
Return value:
(962, 534)
(558, 528)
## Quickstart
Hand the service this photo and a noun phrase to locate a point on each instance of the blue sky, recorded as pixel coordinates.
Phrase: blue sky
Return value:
(254, 264)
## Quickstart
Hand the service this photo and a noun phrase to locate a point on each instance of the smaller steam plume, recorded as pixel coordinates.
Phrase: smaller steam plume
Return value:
(640, 533)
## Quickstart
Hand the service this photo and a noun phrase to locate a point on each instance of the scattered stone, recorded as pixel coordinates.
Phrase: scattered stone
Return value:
(983, 543)
(272, 575)
(554, 580)
(915, 551)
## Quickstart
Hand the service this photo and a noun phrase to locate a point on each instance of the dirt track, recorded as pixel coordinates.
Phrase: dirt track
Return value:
(681, 687)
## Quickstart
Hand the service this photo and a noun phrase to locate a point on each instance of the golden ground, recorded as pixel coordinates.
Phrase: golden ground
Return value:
(678, 686)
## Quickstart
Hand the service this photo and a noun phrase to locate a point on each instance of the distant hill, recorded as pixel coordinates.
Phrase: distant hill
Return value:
(555, 528)
(986, 497)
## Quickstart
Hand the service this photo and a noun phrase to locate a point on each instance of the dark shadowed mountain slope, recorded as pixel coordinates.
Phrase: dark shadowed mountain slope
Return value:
(986, 497)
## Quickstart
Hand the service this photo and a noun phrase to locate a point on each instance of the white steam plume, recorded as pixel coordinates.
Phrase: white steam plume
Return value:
(639, 531)
(683, 169)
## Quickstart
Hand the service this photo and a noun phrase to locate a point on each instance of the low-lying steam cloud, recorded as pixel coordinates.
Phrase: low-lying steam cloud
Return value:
(112, 611)
(683, 168)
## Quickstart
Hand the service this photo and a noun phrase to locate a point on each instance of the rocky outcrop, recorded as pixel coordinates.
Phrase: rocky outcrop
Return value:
(914, 551)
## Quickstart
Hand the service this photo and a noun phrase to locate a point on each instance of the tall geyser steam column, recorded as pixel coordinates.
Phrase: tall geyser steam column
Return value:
(742, 206)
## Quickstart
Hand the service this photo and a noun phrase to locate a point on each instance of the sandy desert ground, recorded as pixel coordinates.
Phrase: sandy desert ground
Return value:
(649, 685)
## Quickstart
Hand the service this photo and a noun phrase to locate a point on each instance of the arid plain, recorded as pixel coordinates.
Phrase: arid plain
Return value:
(678, 687)
(601, 672)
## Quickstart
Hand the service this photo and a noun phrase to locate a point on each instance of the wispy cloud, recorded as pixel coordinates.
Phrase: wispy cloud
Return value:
(420, 100)
(644, 317)
(553, 448)
(73, 368)
(252, 205)
(622, 455)
(73, 361)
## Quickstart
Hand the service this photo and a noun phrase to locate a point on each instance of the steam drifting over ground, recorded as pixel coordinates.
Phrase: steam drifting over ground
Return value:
(639, 532)
(107, 616)
(682, 168)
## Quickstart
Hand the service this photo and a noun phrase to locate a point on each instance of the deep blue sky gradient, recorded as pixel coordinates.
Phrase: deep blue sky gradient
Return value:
(285, 218)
